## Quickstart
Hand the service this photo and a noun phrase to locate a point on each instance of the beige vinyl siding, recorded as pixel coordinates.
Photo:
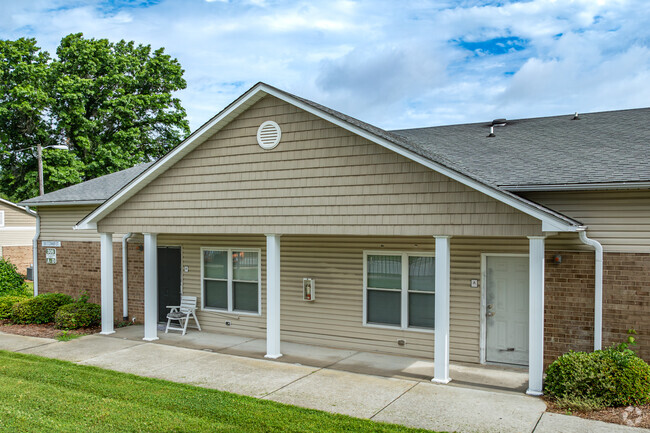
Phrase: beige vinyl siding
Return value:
(16, 218)
(321, 179)
(619, 220)
(57, 224)
(335, 318)
(19, 227)
(20, 237)
(210, 320)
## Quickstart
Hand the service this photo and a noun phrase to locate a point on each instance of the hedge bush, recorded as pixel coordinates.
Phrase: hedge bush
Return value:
(6, 304)
(10, 279)
(39, 309)
(77, 315)
(612, 377)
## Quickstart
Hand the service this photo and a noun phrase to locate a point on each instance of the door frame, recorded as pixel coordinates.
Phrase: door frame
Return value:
(180, 247)
(483, 309)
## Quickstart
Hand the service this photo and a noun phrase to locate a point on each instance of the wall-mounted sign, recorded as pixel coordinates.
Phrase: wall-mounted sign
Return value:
(50, 256)
(50, 243)
(308, 289)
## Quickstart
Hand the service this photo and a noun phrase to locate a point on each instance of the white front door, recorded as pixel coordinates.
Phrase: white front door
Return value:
(506, 309)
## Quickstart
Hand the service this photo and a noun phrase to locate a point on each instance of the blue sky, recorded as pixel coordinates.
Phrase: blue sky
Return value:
(391, 63)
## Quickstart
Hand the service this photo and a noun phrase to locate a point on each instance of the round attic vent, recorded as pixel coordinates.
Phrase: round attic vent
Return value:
(268, 135)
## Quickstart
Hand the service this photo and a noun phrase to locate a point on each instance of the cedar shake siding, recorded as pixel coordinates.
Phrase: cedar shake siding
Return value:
(321, 179)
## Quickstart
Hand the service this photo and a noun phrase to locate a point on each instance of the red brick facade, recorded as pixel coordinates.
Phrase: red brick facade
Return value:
(78, 270)
(569, 306)
(20, 256)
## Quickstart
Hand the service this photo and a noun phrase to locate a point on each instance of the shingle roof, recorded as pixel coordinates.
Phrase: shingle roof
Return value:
(94, 191)
(605, 147)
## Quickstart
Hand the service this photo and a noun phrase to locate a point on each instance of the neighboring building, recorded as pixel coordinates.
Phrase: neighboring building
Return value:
(17, 230)
(442, 242)
(75, 267)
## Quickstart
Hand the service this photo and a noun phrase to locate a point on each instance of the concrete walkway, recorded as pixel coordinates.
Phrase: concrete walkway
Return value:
(395, 400)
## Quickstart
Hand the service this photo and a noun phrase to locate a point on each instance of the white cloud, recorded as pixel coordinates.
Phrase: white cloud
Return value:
(395, 64)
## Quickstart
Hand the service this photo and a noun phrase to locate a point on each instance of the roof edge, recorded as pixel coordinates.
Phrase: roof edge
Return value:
(578, 186)
(65, 203)
(18, 207)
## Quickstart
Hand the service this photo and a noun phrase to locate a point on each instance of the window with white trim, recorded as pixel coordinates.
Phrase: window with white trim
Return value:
(399, 290)
(2, 218)
(231, 279)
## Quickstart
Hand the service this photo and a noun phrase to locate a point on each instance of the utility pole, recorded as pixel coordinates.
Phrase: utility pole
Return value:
(41, 189)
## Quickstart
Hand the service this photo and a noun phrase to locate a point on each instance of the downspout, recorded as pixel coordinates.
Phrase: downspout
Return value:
(598, 304)
(35, 252)
(125, 277)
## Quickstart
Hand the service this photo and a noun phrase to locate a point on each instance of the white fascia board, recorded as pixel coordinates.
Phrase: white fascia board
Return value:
(86, 226)
(557, 223)
(17, 206)
(195, 139)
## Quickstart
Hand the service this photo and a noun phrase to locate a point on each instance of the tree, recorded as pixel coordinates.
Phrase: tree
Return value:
(111, 103)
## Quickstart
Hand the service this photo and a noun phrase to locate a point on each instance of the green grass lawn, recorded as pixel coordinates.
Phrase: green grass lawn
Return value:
(39, 394)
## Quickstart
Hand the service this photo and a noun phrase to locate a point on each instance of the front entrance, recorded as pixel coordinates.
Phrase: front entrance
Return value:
(169, 280)
(506, 309)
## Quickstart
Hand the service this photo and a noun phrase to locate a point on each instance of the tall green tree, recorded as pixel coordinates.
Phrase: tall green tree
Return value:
(111, 103)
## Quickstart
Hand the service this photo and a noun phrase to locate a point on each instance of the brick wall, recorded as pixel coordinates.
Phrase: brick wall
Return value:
(626, 289)
(569, 306)
(78, 270)
(19, 256)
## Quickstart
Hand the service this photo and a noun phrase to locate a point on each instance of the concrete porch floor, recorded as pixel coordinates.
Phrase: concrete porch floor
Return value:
(488, 377)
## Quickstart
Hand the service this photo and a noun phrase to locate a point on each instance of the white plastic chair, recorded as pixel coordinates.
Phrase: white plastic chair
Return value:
(181, 314)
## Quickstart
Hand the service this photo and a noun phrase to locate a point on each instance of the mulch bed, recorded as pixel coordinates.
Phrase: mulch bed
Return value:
(44, 331)
(631, 416)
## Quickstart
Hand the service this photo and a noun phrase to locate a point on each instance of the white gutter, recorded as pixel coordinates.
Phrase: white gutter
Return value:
(598, 304)
(35, 252)
(125, 277)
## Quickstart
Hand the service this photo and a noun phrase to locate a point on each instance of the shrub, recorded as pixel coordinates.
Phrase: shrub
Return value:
(39, 309)
(77, 315)
(612, 377)
(6, 304)
(10, 279)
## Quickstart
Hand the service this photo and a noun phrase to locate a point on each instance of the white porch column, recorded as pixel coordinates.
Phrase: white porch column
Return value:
(536, 315)
(150, 286)
(441, 348)
(273, 296)
(106, 263)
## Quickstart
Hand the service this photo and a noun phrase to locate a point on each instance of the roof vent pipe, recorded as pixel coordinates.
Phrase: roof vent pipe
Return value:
(491, 132)
(598, 290)
(575, 116)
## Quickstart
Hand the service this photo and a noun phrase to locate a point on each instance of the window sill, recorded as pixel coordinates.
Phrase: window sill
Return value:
(399, 328)
(230, 313)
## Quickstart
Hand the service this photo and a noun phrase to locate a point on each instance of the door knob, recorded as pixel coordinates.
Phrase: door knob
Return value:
(490, 306)
(490, 314)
